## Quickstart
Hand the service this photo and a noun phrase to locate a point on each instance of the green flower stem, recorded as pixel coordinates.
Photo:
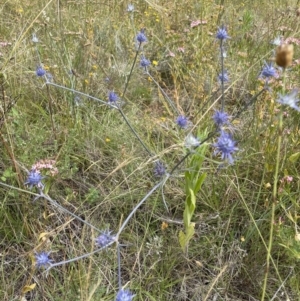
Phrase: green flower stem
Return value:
(274, 197)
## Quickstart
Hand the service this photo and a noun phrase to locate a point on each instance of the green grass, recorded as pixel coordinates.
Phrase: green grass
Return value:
(104, 171)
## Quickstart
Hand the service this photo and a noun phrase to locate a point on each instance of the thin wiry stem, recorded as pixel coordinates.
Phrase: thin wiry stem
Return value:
(45, 78)
(38, 54)
(163, 198)
(119, 266)
(77, 258)
(247, 105)
(131, 71)
(135, 133)
(45, 196)
(51, 112)
(222, 76)
(163, 92)
(82, 94)
(201, 109)
(162, 182)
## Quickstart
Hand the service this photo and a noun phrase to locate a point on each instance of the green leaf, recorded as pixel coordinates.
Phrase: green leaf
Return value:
(190, 232)
(294, 157)
(187, 177)
(192, 201)
(190, 205)
(8, 173)
(199, 182)
(186, 216)
(182, 240)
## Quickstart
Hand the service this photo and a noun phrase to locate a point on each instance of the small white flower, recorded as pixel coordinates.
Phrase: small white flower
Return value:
(276, 41)
(130, 8)
(290, 100)
(34, 38)
(191, 141)
(224, 54)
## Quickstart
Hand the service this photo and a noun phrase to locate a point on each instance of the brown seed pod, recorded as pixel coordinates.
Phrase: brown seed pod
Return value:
(284, 55)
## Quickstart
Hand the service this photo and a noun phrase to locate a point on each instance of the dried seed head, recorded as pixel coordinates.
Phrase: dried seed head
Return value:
(284, 55)
(298, 12)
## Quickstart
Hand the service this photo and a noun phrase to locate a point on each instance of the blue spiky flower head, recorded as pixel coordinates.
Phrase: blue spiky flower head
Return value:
(144, 62)
(220, 118)
(182, 121)
(141, 37)
(112, 97)
(104, 238)
(268, 71)
(225, 146)
(222, 34)
(223, 77)
(42, 259)
(40, 71)
(124, 295)
(34, 179)
(159, 169)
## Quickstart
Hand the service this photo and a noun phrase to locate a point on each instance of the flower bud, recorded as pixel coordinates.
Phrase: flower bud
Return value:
(284, 55)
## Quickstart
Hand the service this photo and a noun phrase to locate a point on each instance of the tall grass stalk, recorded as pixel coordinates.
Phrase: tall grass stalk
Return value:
(274, 195)
(236, 185)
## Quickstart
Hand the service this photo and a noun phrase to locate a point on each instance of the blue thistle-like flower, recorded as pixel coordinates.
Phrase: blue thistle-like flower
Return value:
(182, 121)
(159, 169)
(144, 62)
(34, 179)
(104, 238)
(42, 259)
(290, 100)
(268, 71)
(124, 295)
(225, 146)
(141, 37)
(112, 97)
(222, 34)
(223, 77)
(220, 118)
(40, 71)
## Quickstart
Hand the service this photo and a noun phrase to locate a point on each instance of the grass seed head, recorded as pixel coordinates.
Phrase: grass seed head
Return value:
(284, 55)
